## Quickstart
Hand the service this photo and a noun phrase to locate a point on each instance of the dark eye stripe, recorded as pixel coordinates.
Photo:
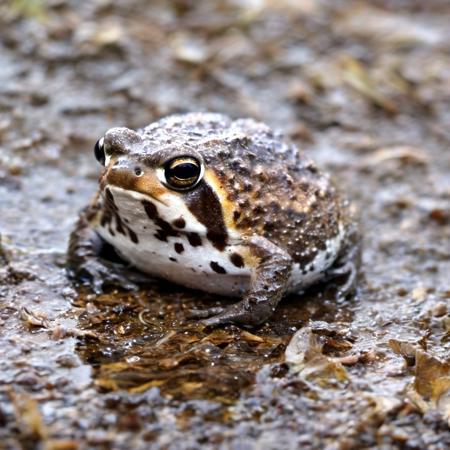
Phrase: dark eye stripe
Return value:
(205, 205)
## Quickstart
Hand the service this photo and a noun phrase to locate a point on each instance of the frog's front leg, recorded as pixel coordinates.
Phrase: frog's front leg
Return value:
(268, 285)
(83, 257)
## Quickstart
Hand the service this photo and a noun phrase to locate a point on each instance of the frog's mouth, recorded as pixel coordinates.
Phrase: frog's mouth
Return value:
(136, 194)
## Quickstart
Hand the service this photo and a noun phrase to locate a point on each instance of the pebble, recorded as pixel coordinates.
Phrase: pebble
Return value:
(439, 309)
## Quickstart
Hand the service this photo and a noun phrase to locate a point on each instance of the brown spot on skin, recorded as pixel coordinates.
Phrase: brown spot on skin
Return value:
(109, 200)
(179, 223)
(104, 220)
(217, 267)
(237, 260)
(119, 225)
(133, 235)
(179, 248)
(109, 209)
(194, 239)
(206, 207)
(150, 209)
(165, 229)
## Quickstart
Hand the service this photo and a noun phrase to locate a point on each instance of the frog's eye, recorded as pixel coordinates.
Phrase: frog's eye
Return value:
(99, 151)
(182, 173)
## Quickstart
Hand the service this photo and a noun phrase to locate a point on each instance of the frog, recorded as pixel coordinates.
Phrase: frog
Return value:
(226, 206)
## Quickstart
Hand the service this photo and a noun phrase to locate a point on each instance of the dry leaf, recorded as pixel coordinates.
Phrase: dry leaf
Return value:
(359, 79)
(431, 387)
(304, 356)
(405, 154)
(34, 318)
(405, 349)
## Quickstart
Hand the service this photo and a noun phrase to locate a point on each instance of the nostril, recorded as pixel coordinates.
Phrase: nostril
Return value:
(138, 171)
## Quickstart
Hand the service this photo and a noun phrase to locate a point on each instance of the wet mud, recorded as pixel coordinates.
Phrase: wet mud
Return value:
(361, 87)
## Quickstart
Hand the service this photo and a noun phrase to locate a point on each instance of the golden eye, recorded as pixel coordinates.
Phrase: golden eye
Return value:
(182, 173)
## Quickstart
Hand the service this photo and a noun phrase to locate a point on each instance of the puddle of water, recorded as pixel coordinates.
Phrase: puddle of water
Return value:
(144, 340)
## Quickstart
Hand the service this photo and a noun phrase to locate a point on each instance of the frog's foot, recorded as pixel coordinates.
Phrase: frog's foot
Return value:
(245, 312)
(98, 274)
(348, 270)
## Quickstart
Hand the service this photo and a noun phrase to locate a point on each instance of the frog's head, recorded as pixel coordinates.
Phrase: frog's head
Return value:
(131, 164)
(170, 181)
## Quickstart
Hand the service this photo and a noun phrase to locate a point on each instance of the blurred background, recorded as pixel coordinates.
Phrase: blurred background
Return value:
(363, 87)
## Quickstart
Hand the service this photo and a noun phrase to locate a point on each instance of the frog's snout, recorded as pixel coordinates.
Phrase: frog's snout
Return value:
(125, 173)
(125, 167)
(134, 176)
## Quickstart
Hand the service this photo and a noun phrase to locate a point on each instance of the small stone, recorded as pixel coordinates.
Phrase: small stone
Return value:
(419, 294)
(68, 360)
(132, 359)
(28, 379)
(439, 309)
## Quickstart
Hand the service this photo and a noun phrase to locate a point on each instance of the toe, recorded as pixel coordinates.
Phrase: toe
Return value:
(204, 313)
(117, 280)
(225, 316)
(96, 284)
(213, 321)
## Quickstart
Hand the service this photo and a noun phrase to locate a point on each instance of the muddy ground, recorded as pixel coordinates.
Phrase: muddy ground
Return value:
(363, 88)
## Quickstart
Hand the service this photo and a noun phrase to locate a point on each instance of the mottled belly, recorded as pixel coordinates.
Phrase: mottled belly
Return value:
(199, 267)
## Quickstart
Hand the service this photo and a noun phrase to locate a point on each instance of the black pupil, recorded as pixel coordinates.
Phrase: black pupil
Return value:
(184, 171)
